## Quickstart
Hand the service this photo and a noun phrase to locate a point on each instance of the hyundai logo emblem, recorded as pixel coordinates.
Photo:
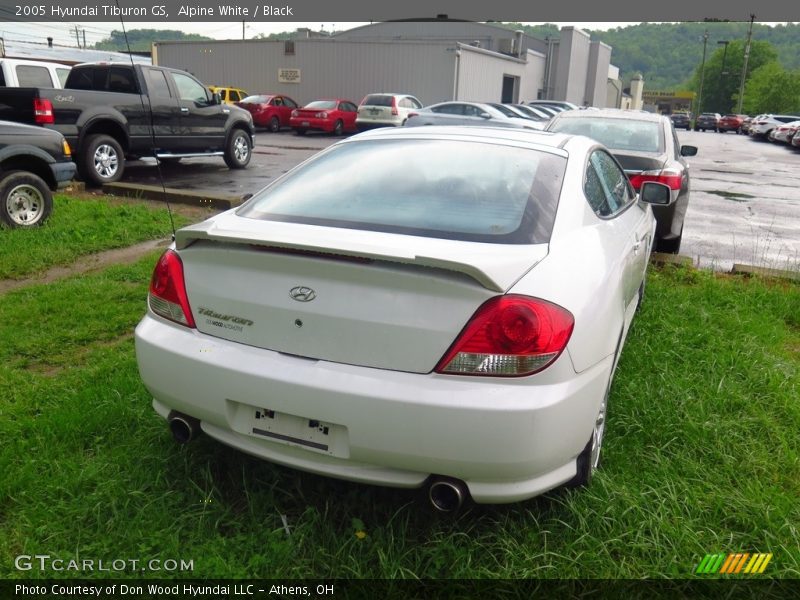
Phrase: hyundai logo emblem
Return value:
(302, 294)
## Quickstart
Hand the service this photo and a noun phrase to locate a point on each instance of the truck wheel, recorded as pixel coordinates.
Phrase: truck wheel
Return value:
(26, 199)
(102, 160)
(237, 152)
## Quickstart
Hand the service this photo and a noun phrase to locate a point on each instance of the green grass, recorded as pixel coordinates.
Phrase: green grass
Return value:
(78, 227)
(701, 456)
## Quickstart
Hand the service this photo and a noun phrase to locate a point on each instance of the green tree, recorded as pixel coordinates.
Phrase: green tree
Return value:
(772, 89)
(721, 86)
(141, 40)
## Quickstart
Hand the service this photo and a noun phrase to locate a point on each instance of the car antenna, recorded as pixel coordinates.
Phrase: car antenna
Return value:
(149, 110)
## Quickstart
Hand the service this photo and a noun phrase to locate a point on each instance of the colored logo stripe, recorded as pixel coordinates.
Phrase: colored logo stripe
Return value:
(727, 564)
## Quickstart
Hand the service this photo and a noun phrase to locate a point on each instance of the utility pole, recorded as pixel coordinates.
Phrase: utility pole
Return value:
(744, 66)
(77, 36)
(702, 75)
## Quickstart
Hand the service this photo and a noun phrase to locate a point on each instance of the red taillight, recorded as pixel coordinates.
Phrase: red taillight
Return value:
(509, 336)
(167, 297)
(43, 111)
(668, 177)
(295, 114)
(321, 115)
(394, 106)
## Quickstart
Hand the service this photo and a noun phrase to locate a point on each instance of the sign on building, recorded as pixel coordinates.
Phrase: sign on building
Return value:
(289, 75)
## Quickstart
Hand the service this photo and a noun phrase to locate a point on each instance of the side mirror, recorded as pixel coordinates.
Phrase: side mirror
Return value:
(215, 98)
(688, 150)
(484, 115)
(653, 192)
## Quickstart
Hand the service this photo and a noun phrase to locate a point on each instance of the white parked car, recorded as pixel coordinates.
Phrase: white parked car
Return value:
(32, 73)
(437, 306)
(385, 110)
(784, 133)
(762, 125)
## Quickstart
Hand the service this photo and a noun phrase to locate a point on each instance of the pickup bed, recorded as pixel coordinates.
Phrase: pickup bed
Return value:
(110, 112)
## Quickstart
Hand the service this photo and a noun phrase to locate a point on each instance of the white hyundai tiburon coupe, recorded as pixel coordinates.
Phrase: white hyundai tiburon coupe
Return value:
(439, 307)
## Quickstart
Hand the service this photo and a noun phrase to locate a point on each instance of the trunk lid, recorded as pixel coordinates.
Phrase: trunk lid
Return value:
(355, 297)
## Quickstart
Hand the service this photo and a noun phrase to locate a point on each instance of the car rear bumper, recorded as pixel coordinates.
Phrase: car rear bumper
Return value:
(507, 439)
(312, 124)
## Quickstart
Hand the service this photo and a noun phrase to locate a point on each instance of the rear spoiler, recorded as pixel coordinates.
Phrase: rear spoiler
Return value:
(496, 267)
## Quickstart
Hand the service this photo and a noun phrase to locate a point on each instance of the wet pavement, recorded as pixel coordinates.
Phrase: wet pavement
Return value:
(745, 202)
(744, 207)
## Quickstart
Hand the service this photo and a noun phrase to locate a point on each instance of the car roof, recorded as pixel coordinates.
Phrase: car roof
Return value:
(612, 113)
(535, 139)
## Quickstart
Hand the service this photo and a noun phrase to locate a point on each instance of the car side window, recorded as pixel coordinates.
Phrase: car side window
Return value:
(289, 102)
(31, 76)
(349, 107)
(611, 180)
(157, 83)
(450, 109)
(190, 89)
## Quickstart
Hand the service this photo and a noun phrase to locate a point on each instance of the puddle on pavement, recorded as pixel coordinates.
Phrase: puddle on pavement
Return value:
(735, 196)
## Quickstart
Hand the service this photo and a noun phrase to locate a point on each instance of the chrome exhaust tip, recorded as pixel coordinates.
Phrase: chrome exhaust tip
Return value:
(183, 427)
(447, 495)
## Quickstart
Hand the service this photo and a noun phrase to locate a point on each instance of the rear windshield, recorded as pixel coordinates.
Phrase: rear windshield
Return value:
(377, 100)
(257, 100)
(615, 134)
(321, 104)
(445, 189)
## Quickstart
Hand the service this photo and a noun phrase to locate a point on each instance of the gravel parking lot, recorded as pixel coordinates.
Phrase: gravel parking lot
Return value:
(745, 203)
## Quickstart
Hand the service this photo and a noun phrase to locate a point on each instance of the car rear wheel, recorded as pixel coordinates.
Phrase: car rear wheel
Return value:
(338, 128)
(588, 460)
(238, 151)
(102, 160)
(26, 200)
(274, 125)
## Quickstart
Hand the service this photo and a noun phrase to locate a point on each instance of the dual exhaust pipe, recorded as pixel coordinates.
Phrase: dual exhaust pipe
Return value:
(446, 495)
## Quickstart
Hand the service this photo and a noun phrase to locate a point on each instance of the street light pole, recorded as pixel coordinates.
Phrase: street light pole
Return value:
(744, 66)
(724, 54)
(702, 75)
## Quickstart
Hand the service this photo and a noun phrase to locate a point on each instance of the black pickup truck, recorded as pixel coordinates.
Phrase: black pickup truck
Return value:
(110, 112)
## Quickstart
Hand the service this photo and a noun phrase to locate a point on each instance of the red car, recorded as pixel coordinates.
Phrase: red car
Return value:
(336, 116)
(269, 110)
(731, 123)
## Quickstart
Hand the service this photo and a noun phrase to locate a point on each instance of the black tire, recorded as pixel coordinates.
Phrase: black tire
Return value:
(688, 128)
(338, 128)
(299, 131)
(238, 151)
(101, 160)
(274, 125)
(25, 199)
(672, 245)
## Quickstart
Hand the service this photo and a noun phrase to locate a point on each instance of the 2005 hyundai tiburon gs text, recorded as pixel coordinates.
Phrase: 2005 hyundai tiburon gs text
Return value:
(439, 307)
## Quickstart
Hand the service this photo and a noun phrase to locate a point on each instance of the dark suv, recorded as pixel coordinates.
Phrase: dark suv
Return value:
(34, 163)
(682, 120)
(707, 121)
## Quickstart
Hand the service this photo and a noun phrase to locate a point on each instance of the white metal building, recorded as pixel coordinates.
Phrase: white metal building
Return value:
(433, 60)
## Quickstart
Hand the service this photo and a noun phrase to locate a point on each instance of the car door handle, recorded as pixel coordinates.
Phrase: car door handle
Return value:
(184, 109)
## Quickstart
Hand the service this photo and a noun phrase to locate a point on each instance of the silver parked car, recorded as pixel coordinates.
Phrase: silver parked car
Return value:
(647, 147)
(471, 113)
(440, 307)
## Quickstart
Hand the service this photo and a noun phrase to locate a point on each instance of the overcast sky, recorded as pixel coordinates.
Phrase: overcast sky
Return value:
(63, 33)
